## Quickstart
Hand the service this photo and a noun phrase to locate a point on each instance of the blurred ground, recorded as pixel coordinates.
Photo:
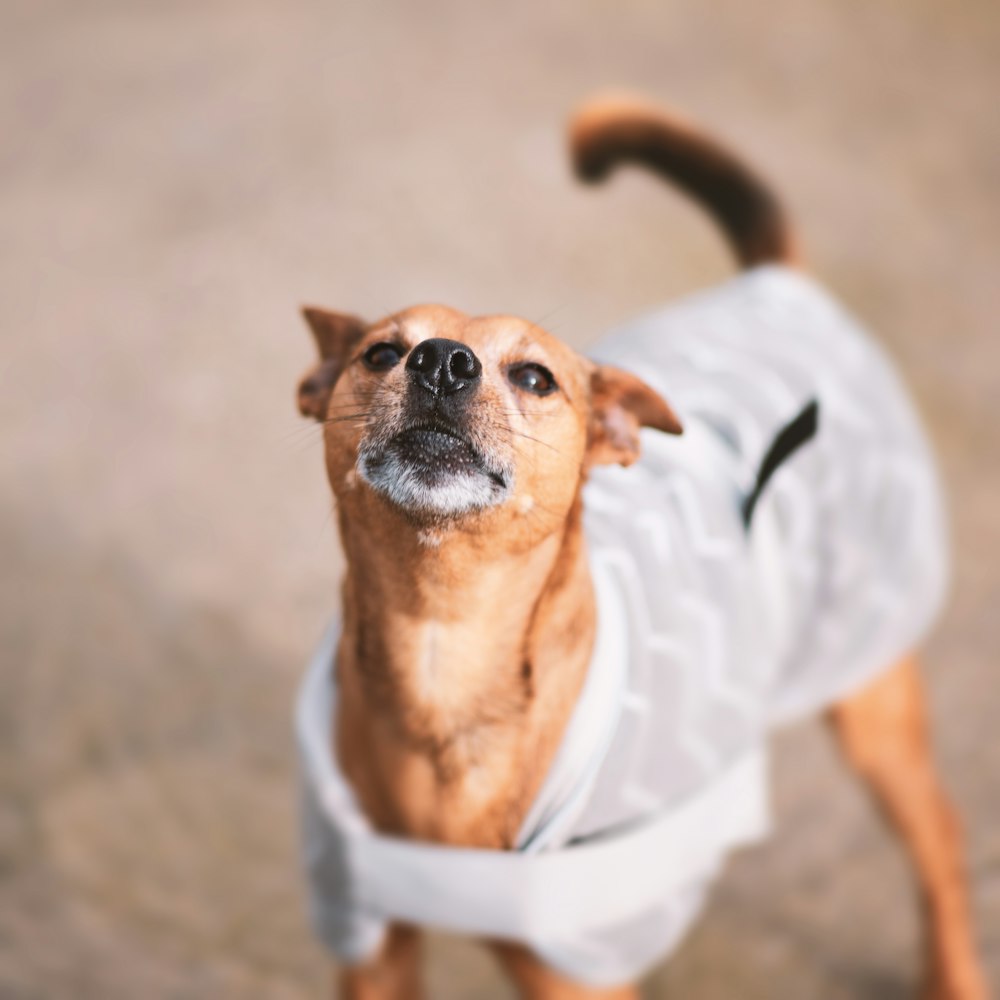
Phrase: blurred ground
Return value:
(174, 180)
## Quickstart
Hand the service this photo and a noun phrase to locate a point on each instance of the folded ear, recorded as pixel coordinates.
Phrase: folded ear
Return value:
(335, 335)
(621, 403)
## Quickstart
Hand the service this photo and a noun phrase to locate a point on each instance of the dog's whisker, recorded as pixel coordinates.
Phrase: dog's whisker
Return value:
(327, 520)
(295, 434)
(531, 437)
(347, 417)
(552, 312)
(526, 413)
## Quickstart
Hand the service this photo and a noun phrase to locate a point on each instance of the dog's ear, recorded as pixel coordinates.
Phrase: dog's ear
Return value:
(335, 335)
(621, 403)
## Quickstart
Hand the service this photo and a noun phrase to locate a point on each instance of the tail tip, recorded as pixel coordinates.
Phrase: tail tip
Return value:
(589, 153)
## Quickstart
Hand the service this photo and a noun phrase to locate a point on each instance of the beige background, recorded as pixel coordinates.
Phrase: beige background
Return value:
(175, 178)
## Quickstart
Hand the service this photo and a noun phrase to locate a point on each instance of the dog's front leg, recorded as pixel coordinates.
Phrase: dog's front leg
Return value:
(536, 981)
(884, 735)
(393, 974)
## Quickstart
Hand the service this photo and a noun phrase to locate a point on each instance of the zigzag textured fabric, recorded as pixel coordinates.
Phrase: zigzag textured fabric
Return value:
(710, 632)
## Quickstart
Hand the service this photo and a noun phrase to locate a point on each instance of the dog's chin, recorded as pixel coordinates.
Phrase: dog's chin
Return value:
(429, 472)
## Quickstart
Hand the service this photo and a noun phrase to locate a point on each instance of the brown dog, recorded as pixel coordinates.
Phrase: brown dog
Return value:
(457, 448)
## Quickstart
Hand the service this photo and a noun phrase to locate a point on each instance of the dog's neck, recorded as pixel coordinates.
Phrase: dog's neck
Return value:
(458, 668)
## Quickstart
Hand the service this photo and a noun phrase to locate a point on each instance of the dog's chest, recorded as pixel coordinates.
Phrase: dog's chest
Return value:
(464, 793)
(434, 757)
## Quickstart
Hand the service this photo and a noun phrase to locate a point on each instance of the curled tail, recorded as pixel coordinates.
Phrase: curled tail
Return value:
(608, 131)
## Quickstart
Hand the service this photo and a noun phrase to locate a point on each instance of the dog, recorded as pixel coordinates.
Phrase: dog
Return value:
(579, 592)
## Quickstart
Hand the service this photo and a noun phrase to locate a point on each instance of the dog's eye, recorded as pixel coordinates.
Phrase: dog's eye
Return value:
(381, 357)
(532, 378)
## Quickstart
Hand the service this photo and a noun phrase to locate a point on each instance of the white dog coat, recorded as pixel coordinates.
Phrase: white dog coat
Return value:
(718, 617)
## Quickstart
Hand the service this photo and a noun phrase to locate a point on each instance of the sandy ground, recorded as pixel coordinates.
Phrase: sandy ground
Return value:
(174, 180)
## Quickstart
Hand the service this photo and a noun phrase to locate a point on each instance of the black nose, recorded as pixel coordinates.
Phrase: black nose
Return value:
(443, 366)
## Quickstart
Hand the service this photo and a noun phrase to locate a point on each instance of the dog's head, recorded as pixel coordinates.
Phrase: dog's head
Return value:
(459, 420)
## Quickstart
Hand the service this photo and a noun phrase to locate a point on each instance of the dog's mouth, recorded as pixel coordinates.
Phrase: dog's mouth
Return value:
(433, 466)
(436, 452)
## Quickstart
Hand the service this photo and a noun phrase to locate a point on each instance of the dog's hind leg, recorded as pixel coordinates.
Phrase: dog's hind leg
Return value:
(884, 735)
(393, 974)
(536, 981)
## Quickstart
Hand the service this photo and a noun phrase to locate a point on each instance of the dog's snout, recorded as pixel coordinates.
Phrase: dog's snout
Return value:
(443, 366)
